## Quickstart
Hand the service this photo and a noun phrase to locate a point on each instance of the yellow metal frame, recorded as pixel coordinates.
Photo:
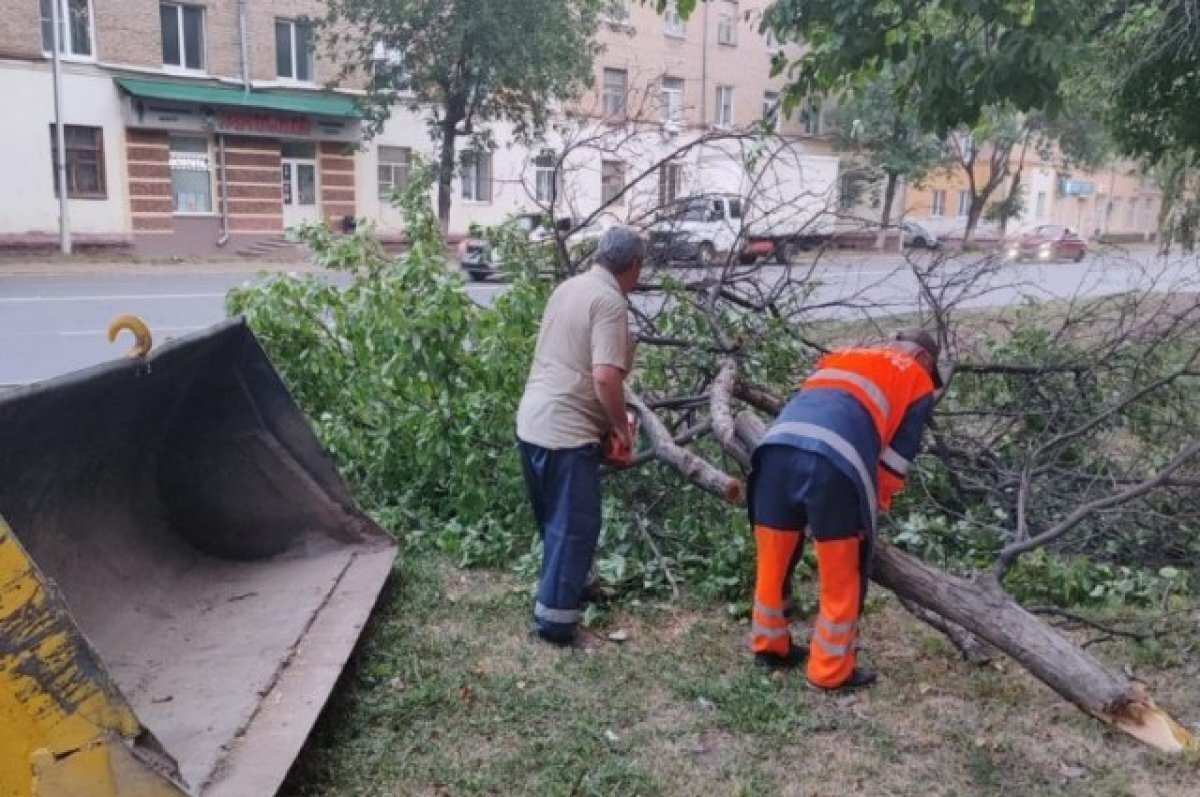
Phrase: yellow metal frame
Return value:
(67, 731)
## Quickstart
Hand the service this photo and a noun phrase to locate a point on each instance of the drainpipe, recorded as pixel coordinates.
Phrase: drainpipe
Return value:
(704, 72)
(224, 237)
(242, 42)
(64, 221)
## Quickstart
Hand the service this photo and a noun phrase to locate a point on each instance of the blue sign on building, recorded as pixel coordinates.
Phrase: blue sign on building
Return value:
(1076, 187)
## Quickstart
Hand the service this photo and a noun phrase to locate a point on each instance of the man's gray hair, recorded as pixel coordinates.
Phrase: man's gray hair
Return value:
(620, 249)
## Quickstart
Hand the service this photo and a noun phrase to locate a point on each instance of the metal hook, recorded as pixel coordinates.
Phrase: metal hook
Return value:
(139, 329)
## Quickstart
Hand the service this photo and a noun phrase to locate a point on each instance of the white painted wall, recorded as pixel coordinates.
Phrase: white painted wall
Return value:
(409, 129)
(27, 201)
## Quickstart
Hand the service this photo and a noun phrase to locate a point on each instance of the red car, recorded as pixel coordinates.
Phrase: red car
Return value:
(1048, 242)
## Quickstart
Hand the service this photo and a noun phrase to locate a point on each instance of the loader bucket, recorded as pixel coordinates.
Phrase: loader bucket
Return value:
(183, 575)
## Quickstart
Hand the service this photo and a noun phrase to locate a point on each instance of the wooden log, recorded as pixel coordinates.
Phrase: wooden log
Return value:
(694, 468)
(721, 409)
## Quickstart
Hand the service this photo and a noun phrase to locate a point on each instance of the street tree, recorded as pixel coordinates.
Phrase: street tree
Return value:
(973, 69)
(1152, 96)
(466, 64)
(874, 121)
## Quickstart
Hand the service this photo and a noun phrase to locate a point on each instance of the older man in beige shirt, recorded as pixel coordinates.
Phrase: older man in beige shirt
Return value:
(574, 397)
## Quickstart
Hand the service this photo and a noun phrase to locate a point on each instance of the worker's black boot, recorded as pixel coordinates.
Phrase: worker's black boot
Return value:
(795, 656)
(861, 677)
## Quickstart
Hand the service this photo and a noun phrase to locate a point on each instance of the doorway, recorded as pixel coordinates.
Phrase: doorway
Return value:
(299, 183)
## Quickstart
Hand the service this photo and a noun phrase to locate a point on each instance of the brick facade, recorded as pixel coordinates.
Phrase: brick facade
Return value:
(147, 156)
(255, 199)
(337, 181)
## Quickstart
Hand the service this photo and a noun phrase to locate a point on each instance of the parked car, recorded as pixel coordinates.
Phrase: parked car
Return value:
(1046, 243)
(480, 261)
(917, 237)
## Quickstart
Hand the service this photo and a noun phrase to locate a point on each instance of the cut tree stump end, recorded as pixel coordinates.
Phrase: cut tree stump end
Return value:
(1143, 720)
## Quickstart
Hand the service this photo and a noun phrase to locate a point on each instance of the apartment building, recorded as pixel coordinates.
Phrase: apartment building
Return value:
(189, 126)
(204, 126)
(661, 83)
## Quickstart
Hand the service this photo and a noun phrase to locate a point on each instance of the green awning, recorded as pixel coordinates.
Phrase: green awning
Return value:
(316, 103)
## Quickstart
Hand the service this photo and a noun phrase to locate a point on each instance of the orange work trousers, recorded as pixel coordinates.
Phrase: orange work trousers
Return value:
(832, 652)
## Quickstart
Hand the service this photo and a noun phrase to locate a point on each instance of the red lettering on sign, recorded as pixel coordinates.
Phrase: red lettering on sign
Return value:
(264, 123)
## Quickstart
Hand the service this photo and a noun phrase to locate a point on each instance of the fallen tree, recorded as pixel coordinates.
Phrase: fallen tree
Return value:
(976, 612)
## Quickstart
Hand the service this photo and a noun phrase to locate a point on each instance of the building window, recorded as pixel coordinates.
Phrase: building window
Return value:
(616, 85)
(74, 27)
(672, 100)
(810, 118)
(477, 176)
(773, 44)
(546, 177)
(388, 70)
(1040, 210)
(1131, 214)
(293, 49)
(395, 167)
(674, 25)
(724, 108)
(84, 161)
(939, 203)
(612, 182)
(670, 179)
(182, 36)
(770, 109)
(191, 175)
(964, 204)
(727, 24)
(615, 11)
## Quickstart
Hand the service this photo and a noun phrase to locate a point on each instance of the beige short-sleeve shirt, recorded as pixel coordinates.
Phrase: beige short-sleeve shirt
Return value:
(586, 323)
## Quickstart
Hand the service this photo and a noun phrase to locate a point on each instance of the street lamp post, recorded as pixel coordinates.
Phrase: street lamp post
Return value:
(60, 167)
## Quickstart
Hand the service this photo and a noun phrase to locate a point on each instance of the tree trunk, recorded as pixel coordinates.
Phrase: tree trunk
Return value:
(1013, 189)
(983, 608)
(973, 213)
(885, 217)
(446, 174)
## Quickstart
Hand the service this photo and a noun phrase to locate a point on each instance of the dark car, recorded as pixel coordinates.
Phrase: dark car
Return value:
(1048, 242)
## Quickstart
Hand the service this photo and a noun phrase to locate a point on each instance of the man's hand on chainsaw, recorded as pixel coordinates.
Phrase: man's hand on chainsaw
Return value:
(617, 448)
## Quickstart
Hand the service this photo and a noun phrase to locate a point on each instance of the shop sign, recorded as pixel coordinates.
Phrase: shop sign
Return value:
(245, 122)
(156, 115)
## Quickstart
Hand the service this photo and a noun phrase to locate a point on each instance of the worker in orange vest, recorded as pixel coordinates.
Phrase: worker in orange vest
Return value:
(834, 457)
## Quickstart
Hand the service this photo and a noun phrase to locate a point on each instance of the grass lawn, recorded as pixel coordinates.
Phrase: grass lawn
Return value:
(447, 696)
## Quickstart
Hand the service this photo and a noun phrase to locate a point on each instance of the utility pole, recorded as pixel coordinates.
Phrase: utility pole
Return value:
(60, 167)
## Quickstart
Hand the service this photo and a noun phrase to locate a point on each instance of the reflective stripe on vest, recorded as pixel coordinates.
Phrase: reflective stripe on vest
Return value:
(555, 615)
(873, 391)
(838, 444)
(897, 464)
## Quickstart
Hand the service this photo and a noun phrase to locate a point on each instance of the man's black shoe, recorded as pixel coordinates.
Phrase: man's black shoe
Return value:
(537, 635)
(858, 679)
(795, 656)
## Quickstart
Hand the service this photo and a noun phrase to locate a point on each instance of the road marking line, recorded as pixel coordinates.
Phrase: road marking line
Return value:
(68, 333)
(146, 297)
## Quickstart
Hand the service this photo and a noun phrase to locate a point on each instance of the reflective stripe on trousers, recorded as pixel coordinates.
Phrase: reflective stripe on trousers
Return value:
(832, 656)
(777, 550)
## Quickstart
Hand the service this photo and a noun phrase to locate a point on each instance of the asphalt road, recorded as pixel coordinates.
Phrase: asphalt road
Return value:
(50, 325)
